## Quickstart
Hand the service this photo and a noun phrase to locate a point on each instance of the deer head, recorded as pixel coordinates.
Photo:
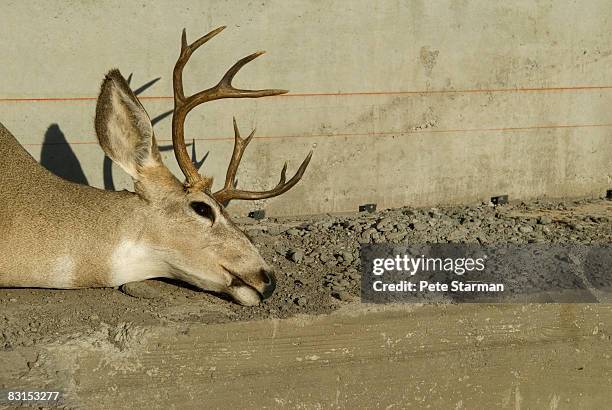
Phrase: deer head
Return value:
(185, 227)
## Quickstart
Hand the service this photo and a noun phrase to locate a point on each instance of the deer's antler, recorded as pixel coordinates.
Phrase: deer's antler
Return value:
(229, 191)
(224, 89)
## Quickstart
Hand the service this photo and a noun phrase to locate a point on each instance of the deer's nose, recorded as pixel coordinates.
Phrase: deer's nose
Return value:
(269, 281)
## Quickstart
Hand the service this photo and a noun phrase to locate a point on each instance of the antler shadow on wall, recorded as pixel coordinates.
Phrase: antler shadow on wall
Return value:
(58, 157)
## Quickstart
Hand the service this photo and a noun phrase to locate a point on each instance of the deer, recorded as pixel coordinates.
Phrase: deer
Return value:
(63, 235)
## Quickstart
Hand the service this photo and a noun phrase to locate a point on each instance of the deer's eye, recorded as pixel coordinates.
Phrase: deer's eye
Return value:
(204, 210)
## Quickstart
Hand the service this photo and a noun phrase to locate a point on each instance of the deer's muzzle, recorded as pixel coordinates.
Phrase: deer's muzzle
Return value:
(263, 282)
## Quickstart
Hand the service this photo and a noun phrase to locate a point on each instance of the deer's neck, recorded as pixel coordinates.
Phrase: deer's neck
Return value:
(132, 260)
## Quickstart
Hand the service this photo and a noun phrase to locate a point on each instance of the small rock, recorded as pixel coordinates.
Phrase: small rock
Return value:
(280, 248)
(544, 220)
(386, 221)
(141, 290)
(418, 226)
(308, 260)
(355, 275)
(341, 295)
(457, 235)
(326, 257)
(296, 255)
(395, 236)
(347, 256)
(274, 230)
(255, 230)
(331, 263)
(525, 229)
(293, 232)
(354, 225)
(384, 225)
(384, 228)
(378, 238)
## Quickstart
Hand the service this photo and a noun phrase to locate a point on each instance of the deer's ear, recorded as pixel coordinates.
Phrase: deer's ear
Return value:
(123, 127)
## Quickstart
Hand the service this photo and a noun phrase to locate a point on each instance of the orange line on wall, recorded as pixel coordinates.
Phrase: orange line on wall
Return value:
(460, 91)
(348, 94)
(375, 134)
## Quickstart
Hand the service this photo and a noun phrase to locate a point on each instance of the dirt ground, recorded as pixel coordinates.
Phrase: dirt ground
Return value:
(317, 265)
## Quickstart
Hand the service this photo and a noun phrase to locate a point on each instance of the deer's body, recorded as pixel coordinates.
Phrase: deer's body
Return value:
(56, 233)
(59, 234)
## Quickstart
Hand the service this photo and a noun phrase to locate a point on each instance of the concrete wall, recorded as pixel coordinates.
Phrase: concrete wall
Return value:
(404, 102)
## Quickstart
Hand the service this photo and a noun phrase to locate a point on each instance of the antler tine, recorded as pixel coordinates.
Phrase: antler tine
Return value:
(226, 82)
(225, 195)
(225, 89)
(240, 145)
(183, 105)
(181, 109)
(186, 52)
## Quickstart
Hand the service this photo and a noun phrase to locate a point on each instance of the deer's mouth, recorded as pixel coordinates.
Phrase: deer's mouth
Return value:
(237, 282)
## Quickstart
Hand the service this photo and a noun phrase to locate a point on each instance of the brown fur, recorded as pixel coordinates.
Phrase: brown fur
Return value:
(42, 214)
